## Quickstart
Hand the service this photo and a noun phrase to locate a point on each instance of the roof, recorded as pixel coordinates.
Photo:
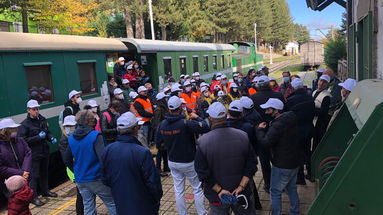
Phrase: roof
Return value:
(153, 46)
(243, 43)
(26, 41)
(322, 4)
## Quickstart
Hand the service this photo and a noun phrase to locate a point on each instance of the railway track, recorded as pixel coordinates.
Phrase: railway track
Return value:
(279, 65)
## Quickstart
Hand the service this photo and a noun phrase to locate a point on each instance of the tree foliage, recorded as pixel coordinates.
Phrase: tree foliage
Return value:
(334, 50)
(301, 33)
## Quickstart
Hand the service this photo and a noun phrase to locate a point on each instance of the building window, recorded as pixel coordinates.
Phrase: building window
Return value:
(39, 82)
(215, 62)
(4, 26)
(223, 61)
(88, 80)
(168, 68)
(183, 65)
(206, 63)
(229, 61)
(195, 64)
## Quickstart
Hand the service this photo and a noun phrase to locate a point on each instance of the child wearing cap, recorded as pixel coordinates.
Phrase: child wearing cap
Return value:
(20, 195)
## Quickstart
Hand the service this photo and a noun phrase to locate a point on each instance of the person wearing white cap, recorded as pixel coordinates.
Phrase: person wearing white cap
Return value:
(302, 104)
(223, 98)
(249, 113)
(83, 157)
(224, 83)
(178, 135)
(347, 87)
(187, 77)
(72, 106)
(119, 96)
(285, 87)
(319, 72)
(274, 85)
(119, 70)
(108, 121)
(126, 89)
(34, 130)
(182, 79)
(134, 166)
(282, 137)
(10, 144)
(144, 109)
(197, 78)
(167, 91)
(189, 96)
(234, 93)
(204, 101)
(335, 91)
(225, 163)
(176, 90)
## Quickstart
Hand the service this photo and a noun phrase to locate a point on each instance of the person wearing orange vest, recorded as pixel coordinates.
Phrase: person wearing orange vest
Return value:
(189, 96)
(234, 93)
(144, 109)
(252, 90)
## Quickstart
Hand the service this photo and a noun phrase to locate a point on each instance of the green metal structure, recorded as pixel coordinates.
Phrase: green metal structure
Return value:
(348, 160)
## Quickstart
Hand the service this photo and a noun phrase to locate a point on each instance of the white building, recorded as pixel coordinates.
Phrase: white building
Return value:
(292, 48)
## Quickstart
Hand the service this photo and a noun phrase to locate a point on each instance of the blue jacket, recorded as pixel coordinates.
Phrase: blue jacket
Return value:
(129, 170)
(179, 136)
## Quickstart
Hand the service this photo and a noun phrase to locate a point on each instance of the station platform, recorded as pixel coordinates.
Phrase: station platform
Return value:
(65, 203)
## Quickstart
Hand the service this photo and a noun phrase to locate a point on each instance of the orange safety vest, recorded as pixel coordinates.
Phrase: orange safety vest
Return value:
(191, 102)
(133, 110)
(147, 107)
(252, 91)
(197, 94)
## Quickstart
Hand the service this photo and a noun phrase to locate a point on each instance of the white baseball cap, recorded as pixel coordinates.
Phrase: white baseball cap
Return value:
(273, 103)
(233, 85)
(217, 87)
(32, 104)
(348, 84)
(218, 78)
(203, 84)
(73, 93)
(117, 91)
(246, 102)
(219, 74)
(160, 96)
(263, 79)
(255, 79)
(166, 89)
(216, 110)
(8, 123)
(92, 103)
(236, 105)
(296, 83)
(174, 103)
(183, 101)
(203, 89)
(133, 95)
(121, 59)
(130, 67)
(192, 81)
(325, 77)
(182, 76)
(187, 76)
(125, 81)
(235, 75)
(223, 77)
(321, 70)
(221, 93)
(196, 74)
(175, 88)
(187, 83)
(127, 120)
(70, 120)
(141, 89)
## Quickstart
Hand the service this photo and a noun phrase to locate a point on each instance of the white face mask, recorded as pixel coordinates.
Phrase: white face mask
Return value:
(206, 94)
(235, 90)
(78, 100)
(94, 109)
(69, 130)
(136, 66)
(197, 78)
(187, 89)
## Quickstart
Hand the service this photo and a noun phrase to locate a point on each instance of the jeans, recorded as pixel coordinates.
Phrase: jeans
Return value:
(284, 179)
(89, 190)
(179, 172)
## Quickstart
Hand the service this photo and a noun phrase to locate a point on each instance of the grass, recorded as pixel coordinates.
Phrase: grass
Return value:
(280, 59)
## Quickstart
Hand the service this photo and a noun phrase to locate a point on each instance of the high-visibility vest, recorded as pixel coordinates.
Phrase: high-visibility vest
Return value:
(252, 91)
(233, 98)
(147, 107)
(191, 101)
(133, 110)
(197, 94)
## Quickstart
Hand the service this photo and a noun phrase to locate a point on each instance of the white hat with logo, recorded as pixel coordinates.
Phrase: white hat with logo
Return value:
(174, 103)
(73, 93)
(236, 106)
(121, 59)
(92, 103)
(70, 120)
(216, 110)
(32, 104)
(175, 88)
(273, 103)
(246, 102)
(321, 70)
(125, 81)
(133, 95)
(221, 93)
(233, 85)
(196, 74)
(348, 84)
(297, 83)
(263, 79)
(203, 89)
(127, 120)
(8, 123)
(117, 91)
(187, 83)
(141, 89)
(160, 96)
(325, 77)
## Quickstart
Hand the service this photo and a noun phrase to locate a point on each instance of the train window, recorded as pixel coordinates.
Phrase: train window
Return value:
(195, 64)
(88, 80)
(168, 68)
(223, 61)
(229, 61)
(183, 65)
(206, 63)
(215, 62)
(39, 83)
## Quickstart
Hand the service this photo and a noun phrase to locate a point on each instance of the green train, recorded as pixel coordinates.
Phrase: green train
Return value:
(46, 67)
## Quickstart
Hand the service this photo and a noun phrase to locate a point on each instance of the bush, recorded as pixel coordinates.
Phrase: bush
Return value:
(335, 50)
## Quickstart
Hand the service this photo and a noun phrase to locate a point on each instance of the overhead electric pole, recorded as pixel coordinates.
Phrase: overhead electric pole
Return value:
(255, 35)
(151, 20)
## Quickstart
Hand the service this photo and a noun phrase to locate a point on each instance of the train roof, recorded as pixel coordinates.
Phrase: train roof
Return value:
(242, 43)
(12, 41)
(153, 46)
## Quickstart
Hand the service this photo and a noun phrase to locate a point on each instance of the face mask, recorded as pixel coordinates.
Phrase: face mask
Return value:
(197, 78)
(182, 80)
(94, 109)
(69, 130)
(286, 79)
(240, 80)
(235, 90)
(136, 66)
(235, 79)
(78, 100)
(224, 82)
(206, 94)
(187, 89)
(178, 93)
(13, 135)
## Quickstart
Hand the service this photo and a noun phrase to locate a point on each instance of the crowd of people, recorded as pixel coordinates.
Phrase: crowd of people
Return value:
(212, 134)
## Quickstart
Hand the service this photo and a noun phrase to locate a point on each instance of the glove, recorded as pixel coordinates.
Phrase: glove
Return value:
(228, 199)
(53, 140)
(42, 134)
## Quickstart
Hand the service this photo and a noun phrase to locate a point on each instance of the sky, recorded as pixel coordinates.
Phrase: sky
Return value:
(331, 15)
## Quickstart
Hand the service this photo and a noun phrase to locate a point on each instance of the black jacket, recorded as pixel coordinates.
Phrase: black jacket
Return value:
(263, 94)
(223, 157)
(202, 106)
(118, 72)
(68, 111)
(253, 117)
(245, 126)
(29, 130)
(284, 139)
(109, 129)
(178, 135)
(124, 106)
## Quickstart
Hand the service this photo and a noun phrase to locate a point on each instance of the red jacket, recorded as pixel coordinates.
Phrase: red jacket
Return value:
(18, 203)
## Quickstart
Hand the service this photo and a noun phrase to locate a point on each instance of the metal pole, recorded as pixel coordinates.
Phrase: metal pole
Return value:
(255, 36)
(271, 55)
(151, 19)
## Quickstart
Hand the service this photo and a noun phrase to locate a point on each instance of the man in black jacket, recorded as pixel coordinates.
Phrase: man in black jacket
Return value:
(72, 106)
(283, 138)
(108, 122)
(119, 70)
(178, 135)
(34, 129)
(225, 163)
(302, 104)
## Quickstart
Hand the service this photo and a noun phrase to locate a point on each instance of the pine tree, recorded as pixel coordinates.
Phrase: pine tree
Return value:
(281, 29)
(301, 33)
